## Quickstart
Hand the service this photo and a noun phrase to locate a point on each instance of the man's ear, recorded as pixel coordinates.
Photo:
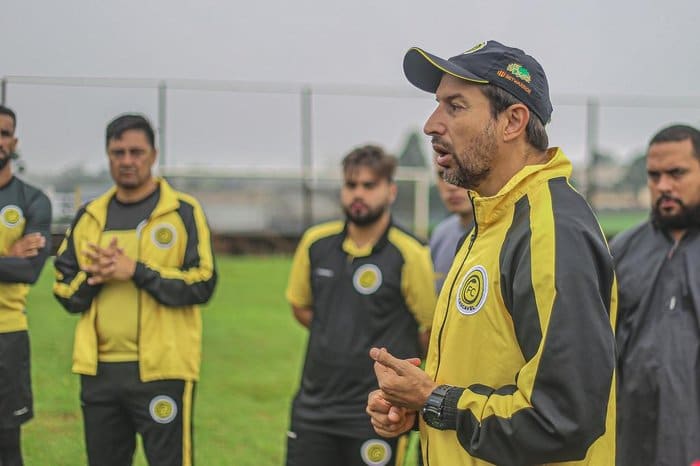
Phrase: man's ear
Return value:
(516, 117)
(393, 190)
(13, 145)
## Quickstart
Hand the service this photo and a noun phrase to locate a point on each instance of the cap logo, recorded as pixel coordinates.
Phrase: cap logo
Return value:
(514, 80)
(478, 46)
(519, 71)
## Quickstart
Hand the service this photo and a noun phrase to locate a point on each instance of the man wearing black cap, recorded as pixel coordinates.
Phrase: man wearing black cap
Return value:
(25, 242)
(520, 368)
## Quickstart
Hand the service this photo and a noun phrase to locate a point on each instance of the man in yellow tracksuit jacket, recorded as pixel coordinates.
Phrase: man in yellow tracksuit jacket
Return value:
(520, 367)
(136, 263)
(25, 243)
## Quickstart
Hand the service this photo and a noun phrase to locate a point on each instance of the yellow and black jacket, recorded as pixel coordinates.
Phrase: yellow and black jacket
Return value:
(361, 297)
(174, 274)
(23, 210)
(524, 327)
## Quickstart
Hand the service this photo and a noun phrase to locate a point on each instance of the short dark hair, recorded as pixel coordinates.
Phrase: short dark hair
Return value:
(373, 157)
(130, 121)
(678, 133)
(8, 111)
(500, 100)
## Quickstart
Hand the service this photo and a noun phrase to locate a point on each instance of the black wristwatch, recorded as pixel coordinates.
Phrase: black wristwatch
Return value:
(433, 409)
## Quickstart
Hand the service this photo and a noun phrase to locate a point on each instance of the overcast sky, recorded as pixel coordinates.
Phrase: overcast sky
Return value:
(627, 48)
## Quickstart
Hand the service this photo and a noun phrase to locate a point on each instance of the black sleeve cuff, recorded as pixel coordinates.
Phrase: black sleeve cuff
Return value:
(449, 408)
(140, 274)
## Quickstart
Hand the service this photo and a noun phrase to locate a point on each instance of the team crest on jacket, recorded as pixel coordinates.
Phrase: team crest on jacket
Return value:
(367, 279)
(163, 409)
(163, 235)
(11, 215)
(472, 292)
(375, 452)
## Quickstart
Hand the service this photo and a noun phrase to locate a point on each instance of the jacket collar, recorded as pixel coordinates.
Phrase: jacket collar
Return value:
(167, 202)
(489, 209)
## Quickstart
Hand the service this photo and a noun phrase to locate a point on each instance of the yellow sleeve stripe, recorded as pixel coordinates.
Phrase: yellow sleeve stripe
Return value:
(66, 290)
(542, 257)
(417, 275)
(298, 292)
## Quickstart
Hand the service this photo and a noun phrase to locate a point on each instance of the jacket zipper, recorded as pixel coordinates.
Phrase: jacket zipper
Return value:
(444, 320)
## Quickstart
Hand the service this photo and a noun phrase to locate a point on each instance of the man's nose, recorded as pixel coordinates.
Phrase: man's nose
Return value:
(127, 158)
(665, 184)
(434, 125)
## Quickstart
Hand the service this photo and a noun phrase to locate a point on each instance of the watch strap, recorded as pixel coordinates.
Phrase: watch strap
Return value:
(440, 410)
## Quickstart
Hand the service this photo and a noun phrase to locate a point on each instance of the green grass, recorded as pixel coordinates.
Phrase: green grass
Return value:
(252, 357)
(252, 354)
(615, 222)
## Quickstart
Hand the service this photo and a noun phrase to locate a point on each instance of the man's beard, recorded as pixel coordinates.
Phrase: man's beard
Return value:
(5, 158)
(688, 217)
(367, 218)
(475, 166)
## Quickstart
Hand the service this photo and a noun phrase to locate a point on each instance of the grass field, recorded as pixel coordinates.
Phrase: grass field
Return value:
(252, 355)
(615, 222)
(251, 361)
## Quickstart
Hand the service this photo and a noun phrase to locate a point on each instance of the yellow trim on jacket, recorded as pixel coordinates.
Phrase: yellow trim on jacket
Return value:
(169, 342)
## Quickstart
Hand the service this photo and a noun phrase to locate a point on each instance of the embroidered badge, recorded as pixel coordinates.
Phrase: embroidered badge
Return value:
(11, 215)
(472, 292)
(163, 235)
(367, 279)
(163, 409)
(375, 452)
(519, 71)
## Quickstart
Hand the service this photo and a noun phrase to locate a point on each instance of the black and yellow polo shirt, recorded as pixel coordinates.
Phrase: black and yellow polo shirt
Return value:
(23, 210)
(379, 295)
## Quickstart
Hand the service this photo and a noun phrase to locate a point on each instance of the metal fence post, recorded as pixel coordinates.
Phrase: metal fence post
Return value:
(306, 157)
(592, 117)
(422, 203)
(162, 110)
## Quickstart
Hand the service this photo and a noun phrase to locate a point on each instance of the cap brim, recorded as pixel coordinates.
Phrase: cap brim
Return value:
(425, 70)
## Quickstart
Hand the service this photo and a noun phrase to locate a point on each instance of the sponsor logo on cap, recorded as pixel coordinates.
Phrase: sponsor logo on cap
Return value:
(514, 80)
(519, 71)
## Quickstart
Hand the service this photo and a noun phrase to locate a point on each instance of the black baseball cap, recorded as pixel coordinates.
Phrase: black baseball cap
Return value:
(488, 62)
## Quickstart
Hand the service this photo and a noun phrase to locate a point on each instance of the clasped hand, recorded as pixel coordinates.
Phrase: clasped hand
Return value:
(403, 390)
(110, 263)
(27, 246)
